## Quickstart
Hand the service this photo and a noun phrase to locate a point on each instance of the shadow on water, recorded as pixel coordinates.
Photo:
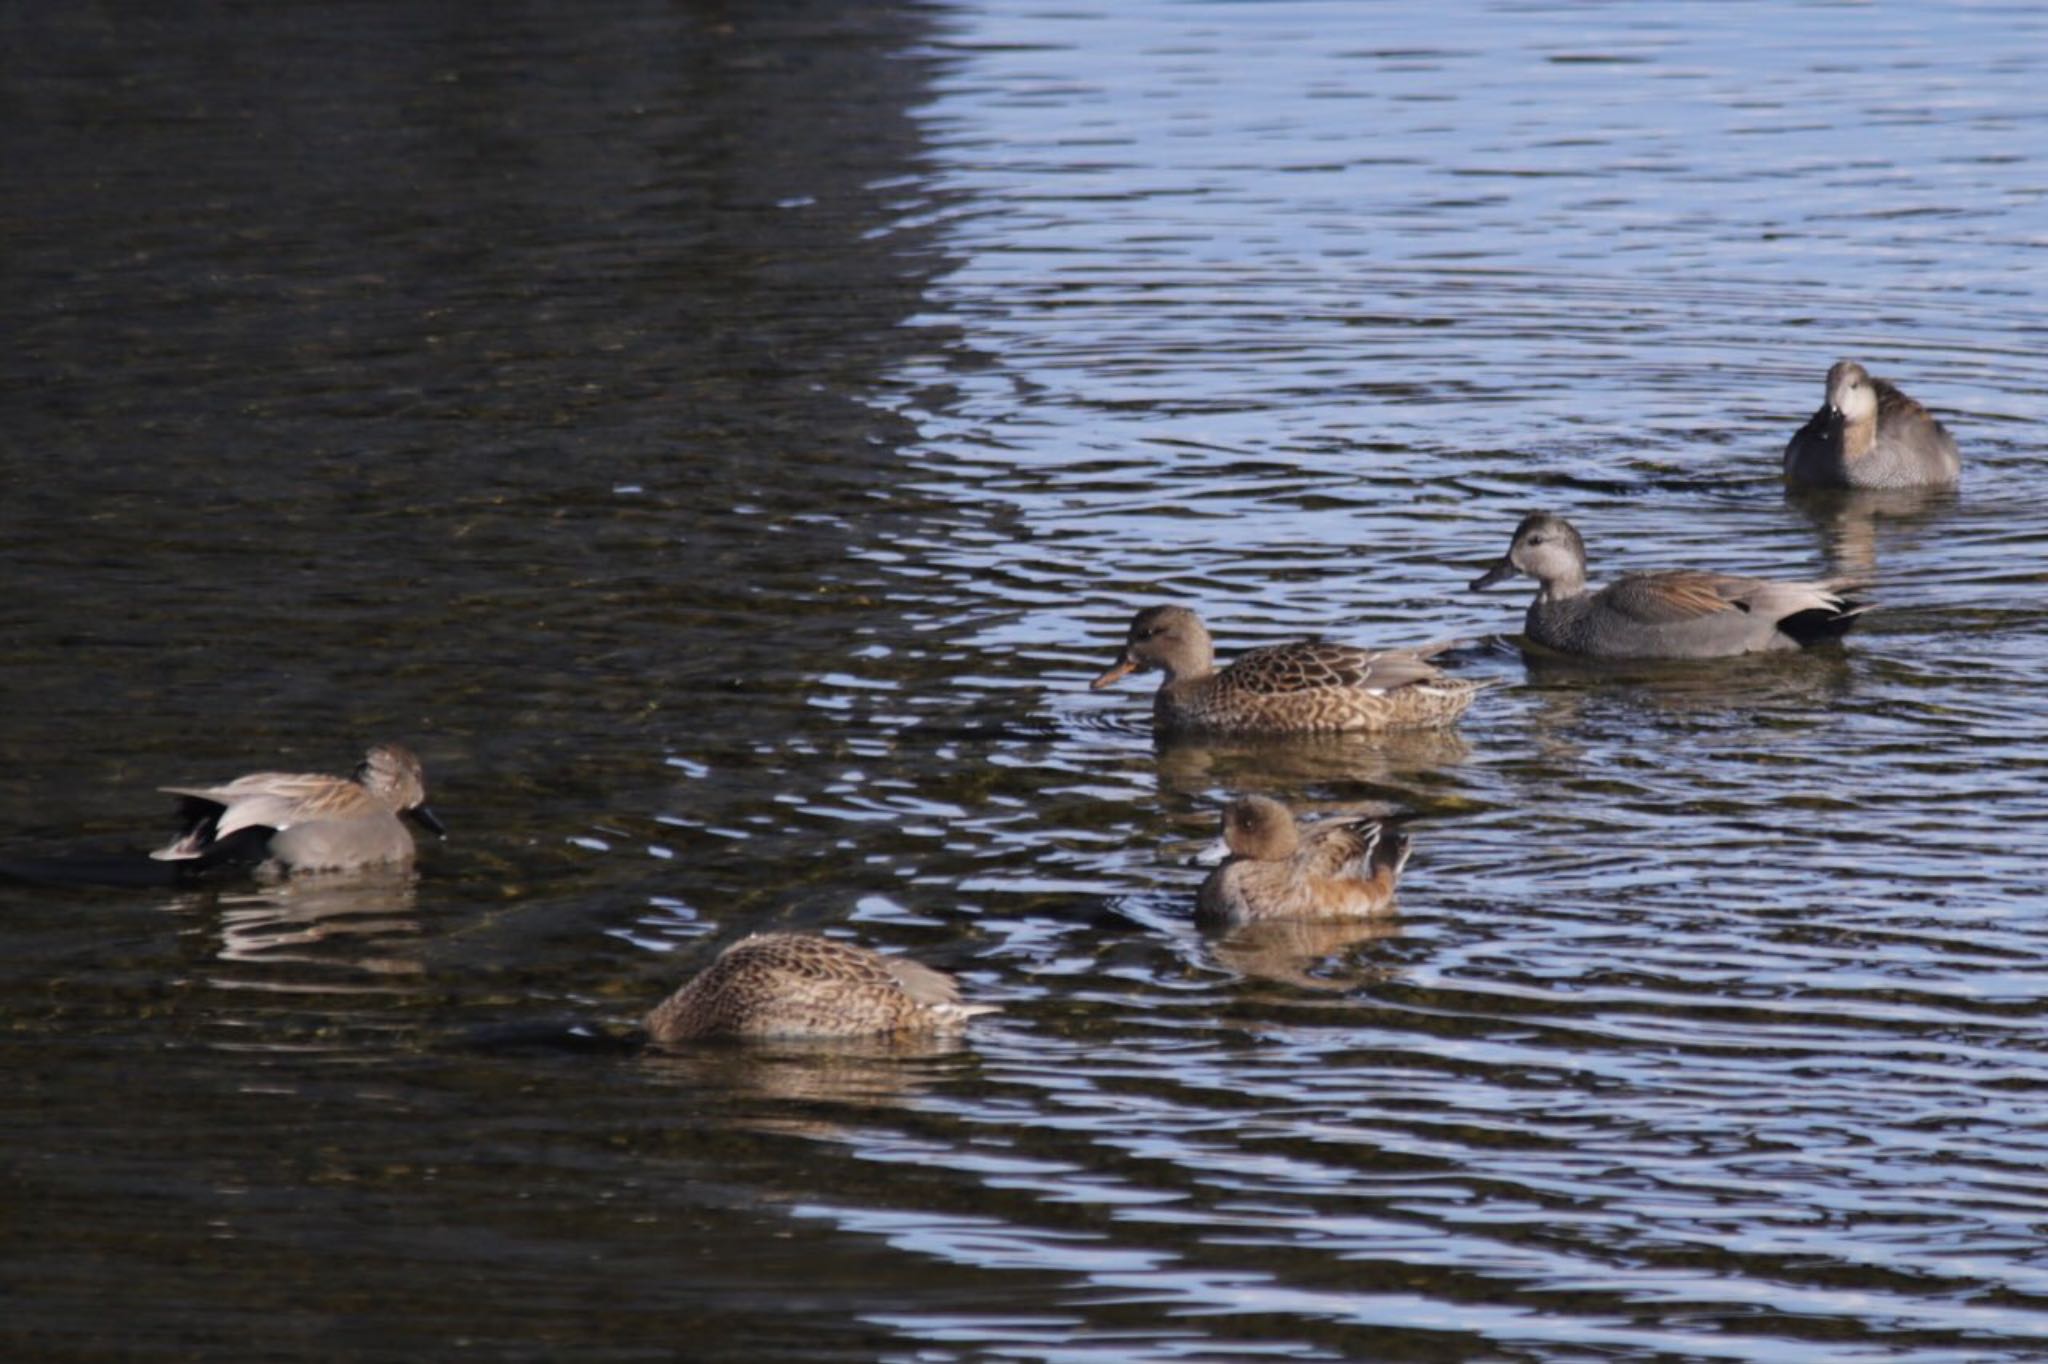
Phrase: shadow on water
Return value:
(514, 386)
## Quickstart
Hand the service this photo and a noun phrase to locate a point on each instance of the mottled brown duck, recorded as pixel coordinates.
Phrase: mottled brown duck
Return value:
(1305, 687)
(796, 985)
(1279, 869)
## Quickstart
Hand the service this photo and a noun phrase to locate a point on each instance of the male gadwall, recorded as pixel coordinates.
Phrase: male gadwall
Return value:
(307, 821)
(796, 985)
(1869, 435)
(1678, 613)
(1334, 869)
(1305, 687)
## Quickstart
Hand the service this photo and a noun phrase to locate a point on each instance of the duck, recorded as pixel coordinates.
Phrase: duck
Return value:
(1303, 687)
(795, 985)
(1868, 434)
(1278, 870)
(1677, 613)
(296, 822)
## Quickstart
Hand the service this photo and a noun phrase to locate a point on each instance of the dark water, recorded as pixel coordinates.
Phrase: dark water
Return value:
(724, 440)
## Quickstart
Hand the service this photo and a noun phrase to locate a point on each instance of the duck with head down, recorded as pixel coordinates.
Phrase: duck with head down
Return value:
(1306, 687)
(1868, 434)
(1677, 613)
(794, 985)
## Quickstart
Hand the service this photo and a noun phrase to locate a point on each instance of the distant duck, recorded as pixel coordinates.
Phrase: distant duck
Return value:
(1333, 869)
(1678, 613)
(294, 822)
(796, 985)
(1868, 434)
(1306, 687)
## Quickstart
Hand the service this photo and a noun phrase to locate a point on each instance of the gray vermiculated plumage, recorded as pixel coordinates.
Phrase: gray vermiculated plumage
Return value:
(1676, 613)
(1868, 434)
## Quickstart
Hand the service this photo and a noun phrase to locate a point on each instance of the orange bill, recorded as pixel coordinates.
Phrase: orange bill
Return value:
(1125, 666)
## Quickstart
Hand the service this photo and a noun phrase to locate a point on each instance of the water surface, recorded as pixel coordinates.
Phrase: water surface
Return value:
(725, 443)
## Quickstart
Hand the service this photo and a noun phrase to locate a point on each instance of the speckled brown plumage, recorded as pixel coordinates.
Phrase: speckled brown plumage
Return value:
(796, 985)
(1336, 869)
(1301, 688)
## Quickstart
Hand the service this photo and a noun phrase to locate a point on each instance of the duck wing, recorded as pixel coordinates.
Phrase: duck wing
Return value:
(1902, 420)
(1678, 595)
(278, 800)
(1341, 849)
(1682, 594)
(1895, 407)
(1313, 665)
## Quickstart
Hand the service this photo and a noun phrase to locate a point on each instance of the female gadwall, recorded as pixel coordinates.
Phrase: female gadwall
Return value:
(1336, 869)
(1678, 613)
(1302, 688)
(1869, 435)
(307, 821)
(795, 985)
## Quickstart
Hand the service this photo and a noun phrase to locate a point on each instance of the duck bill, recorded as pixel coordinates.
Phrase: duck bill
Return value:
(1213, 854)
(1500, 572)
(426, 819)
(1125, 666)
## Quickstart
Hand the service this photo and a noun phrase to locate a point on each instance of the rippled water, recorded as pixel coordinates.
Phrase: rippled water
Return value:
(726, 443)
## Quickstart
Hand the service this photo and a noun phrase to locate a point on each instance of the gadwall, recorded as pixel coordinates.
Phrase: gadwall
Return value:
(796, 985)
(1867, 434)
(308, 821)
(1678, 613)
(1334, 869)
(1305, 687)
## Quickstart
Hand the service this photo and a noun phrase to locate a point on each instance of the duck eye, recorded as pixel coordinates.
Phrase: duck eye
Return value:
(1535, 539)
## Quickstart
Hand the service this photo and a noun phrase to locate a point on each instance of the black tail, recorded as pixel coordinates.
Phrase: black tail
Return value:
(1393, 848)
(1391, 845)
(201, 818)
(1819, 625)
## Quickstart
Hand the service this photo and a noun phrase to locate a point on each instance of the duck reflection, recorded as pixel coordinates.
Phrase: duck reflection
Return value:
(365, 922)
(751, 1085)
(1850, 521)
(1195, 767)
(1562, 687)
(1309, 955)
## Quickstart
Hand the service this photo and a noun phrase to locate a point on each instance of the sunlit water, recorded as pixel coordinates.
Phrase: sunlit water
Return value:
(726, 447)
